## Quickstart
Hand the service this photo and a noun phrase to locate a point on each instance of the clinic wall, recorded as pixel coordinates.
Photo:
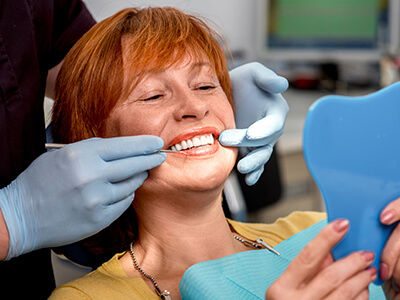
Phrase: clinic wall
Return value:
(236, 18)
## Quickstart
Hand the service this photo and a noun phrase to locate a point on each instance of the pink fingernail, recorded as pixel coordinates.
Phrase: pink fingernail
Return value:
(372, 271)
(341, 225)
(368, 256)
(388, 217)
(384, 271)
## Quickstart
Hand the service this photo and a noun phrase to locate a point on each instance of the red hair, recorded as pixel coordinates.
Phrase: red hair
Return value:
(91, 81)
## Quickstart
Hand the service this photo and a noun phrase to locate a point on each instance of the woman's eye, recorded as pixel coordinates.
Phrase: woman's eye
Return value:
(155, 97)
(206, 87)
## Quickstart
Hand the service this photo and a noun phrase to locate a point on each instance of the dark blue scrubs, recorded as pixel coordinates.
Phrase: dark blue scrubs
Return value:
(35, 35)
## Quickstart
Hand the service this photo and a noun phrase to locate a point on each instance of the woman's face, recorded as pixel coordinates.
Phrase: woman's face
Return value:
(185, 106)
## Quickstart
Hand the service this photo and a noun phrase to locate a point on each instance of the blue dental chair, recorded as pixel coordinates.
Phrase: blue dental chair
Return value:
(352, 149)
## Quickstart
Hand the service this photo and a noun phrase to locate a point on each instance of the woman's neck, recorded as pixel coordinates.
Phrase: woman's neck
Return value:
(175, 233)
(190, 220)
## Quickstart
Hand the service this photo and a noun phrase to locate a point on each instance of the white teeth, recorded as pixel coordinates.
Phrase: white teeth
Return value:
(195, 142)
(210, 139)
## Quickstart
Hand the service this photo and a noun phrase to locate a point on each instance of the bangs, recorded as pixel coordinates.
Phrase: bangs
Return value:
(160, 38)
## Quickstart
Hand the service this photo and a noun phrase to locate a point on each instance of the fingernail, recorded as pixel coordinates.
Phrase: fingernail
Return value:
(372, 271)
(368, 256)
(384, 271)
(388, 217)
(341, 225)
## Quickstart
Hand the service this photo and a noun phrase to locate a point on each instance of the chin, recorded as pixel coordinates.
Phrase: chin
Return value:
(198, 175)
(207, 180)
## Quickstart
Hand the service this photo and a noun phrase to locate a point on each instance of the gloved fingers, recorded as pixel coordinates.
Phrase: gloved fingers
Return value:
(122, 190)
(264, 78)
(108, 204)
(265, 131)
(124, 194)
(115, 210)
(252, 177)
(106, 216)
(255, 159)
(267, 80)
(104, 207)
(238, 138)
(123, 169)
(272, 125)
(121, 147)
(233, 138)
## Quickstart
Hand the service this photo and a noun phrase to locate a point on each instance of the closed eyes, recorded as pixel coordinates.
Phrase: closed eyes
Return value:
(155, 97)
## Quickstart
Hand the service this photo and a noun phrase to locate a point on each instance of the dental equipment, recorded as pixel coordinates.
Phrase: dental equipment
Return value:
(53, 146)
(260, 241)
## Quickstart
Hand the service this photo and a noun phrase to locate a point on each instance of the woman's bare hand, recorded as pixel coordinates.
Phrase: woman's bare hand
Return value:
(390, 257)
(314, 275)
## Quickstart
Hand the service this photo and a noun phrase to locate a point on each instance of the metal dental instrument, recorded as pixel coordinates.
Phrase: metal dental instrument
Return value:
(260, 241)
(54, 145)
(59, 146)
(174, 151)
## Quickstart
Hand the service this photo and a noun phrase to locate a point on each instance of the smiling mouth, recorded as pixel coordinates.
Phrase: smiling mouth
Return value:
(193, 143)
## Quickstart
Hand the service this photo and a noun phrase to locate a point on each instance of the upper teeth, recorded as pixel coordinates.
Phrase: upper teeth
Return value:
(195, 142)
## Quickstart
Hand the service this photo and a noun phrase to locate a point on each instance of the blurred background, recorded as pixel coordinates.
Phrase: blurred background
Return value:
(345, 47)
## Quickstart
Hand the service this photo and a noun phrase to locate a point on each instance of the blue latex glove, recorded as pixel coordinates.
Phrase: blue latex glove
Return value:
(260, 116)
(68, 194)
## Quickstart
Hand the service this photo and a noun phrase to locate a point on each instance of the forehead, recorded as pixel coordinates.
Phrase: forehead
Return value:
(143, 58)
(190, 63)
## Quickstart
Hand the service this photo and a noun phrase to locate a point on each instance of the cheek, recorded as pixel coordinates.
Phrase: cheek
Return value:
(130, 122)
(224, 112)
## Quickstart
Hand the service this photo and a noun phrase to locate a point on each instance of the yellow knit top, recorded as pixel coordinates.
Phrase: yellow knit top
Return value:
(110, 281)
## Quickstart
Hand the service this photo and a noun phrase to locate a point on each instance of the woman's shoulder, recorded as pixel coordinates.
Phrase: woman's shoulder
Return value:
(96, 285)
(281, 229)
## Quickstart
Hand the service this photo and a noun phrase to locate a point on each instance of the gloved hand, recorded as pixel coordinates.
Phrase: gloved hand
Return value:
(71, 193)
(260, 116)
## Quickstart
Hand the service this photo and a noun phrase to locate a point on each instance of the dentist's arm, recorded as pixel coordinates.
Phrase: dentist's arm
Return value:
(260, 116)
(69, 194)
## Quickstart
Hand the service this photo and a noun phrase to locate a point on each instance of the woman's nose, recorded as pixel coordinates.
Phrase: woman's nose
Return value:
(190, 106)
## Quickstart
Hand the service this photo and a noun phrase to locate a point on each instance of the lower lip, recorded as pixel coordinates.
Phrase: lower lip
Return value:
(201, 151)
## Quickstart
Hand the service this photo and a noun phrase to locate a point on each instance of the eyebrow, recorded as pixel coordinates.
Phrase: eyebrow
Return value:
(201, 64)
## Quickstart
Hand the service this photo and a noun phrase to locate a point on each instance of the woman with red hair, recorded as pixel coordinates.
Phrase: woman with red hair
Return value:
(176, 85)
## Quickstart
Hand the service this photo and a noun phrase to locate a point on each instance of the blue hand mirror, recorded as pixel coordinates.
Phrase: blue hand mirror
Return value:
(352, 149)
